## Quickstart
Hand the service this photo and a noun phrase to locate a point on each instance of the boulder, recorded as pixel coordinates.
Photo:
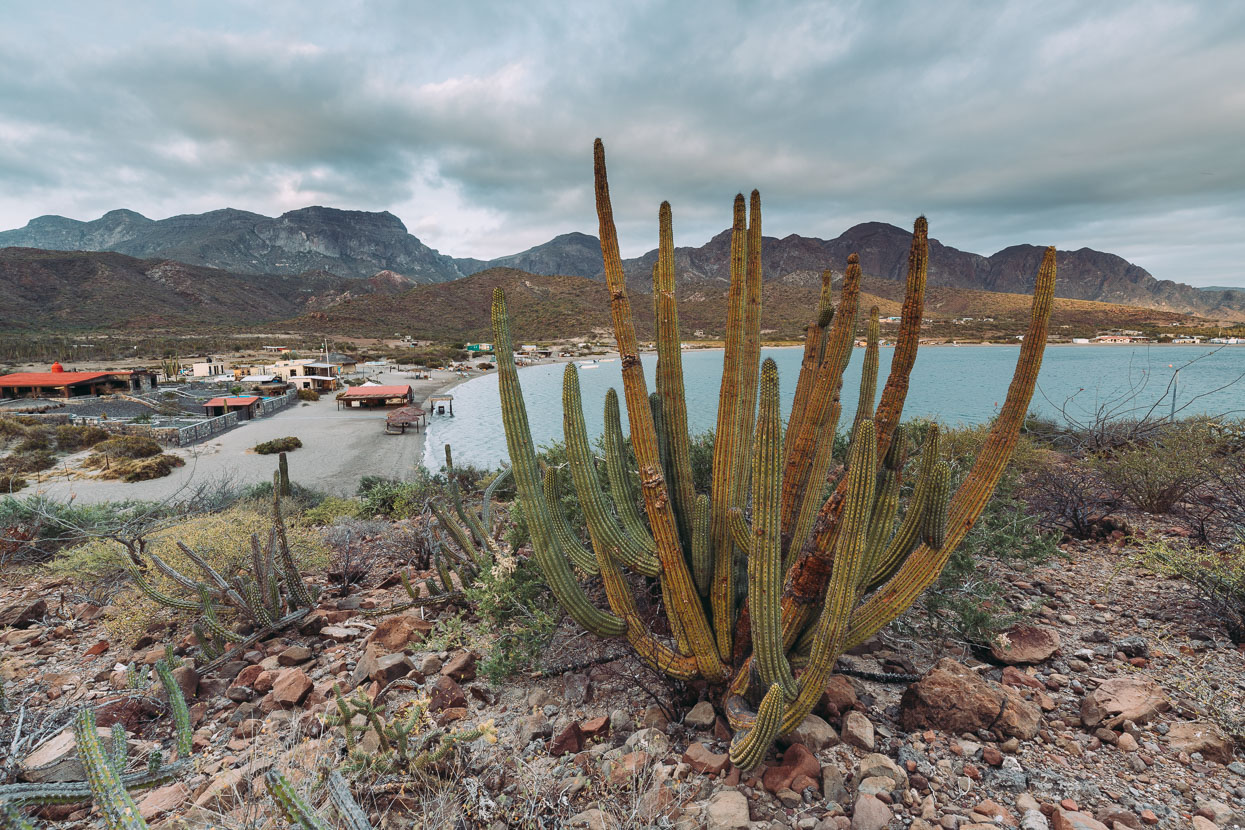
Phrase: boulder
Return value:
(701, 716)
(1135, 697)
(569, 740)
(166, 799)
(727, 810)
(814, 733)
(870, 813)
(838, 697)
(23, 613)
(702, 759)
(1201, 737)
(797, 763)
(446, 694)
(461, 667)
(391, 667)
(291, 688)
(877, 765)
(953, 698)
(56, 760)
(394, 633)
(858, 731)
(1063, 819)
(1025, 644)
(294, 655)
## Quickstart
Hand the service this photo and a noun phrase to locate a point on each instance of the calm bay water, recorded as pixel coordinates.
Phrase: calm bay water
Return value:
(952, 384)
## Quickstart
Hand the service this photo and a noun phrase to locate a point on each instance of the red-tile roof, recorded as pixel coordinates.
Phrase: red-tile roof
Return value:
(376, 392)
(246, 400)
(53, 378)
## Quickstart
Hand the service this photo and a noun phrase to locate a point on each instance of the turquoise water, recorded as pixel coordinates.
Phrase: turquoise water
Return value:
(953, 384)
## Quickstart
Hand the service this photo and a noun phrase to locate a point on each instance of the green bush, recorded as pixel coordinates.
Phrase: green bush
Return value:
(1157, 474)
(308, 395)
(1218, 576)
(395, 499)
(71, 438)
(277, 445)
(332, 509)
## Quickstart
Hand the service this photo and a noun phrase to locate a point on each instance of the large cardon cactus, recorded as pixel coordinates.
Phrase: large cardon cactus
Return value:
(765, 580)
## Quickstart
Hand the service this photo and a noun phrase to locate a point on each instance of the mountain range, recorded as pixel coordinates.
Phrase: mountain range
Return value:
(359, 244)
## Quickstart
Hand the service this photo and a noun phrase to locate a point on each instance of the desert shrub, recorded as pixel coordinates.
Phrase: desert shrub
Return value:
(222, 539)
(308, 395)
(1071, 497)
(11, 428)
(36, 527)
(144, 469)
(128, 446)
(299, 500)
(11, 483)
(1156, 475)
(27, 461)
(395, 499)
(967, 600)
(71, 438)
(513, 602)
(331, 509)
(36, 439)
(277, 445)
(1218, 576)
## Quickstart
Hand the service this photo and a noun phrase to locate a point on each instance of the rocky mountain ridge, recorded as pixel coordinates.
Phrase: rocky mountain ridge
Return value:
(359, 244)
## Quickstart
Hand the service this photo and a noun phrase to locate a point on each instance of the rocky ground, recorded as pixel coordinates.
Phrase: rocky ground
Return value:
(1112, 708)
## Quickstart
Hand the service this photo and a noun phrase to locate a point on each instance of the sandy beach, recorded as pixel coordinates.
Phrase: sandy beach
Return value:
(340, 446)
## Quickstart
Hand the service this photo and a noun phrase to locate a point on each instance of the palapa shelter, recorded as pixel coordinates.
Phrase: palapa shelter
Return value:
(246, 406)
(57, 383)
(407, 416)
(373, 394)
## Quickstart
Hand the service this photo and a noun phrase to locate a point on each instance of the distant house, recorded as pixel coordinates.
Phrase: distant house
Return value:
(246, 406)
(373, 394)
(346, 365)
(57, 383)
(306, 374)
(1113, 338)
(479, 347)
(208, 368)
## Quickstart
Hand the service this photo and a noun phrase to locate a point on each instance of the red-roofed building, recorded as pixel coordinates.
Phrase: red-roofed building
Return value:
(374, 395)
(245, 406)
(58, 383)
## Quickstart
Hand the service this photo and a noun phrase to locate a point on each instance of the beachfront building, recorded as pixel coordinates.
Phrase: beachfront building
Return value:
(210, 368)
(306, 374)
(247, 406)
(346, 365)
(374, 394)
(57, 383)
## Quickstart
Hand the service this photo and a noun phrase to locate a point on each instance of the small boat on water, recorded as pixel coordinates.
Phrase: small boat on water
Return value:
(587, 364)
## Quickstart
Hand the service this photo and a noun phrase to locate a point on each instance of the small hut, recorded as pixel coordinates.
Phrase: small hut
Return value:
(439, 403)
(373, 394)
(407, 416)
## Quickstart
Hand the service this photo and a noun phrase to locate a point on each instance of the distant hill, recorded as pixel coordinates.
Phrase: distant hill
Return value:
(79, 290)
(545, 307)
(347, 243)
(359, 244)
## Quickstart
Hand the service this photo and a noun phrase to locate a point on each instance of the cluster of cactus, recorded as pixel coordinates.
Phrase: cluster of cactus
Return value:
(764, 580)
(108, 783)
(295, 809)
(403, 745)
(272, 596)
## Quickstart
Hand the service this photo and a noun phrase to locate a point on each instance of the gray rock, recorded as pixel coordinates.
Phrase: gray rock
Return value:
(701, 716)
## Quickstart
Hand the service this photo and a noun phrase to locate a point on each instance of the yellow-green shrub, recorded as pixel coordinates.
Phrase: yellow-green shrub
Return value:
(330, 510)
(222, 539)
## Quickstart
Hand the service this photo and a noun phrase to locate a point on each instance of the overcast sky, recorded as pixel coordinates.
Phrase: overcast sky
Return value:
(1118, 126)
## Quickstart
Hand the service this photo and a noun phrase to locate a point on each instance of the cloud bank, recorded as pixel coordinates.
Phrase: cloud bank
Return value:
(1116, 126)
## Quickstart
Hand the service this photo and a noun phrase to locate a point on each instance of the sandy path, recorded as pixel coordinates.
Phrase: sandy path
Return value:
(339, 447)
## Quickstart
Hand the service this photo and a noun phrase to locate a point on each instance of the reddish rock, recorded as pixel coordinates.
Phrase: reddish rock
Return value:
(461, 667)
(187, 680)
(953, 698)
(163, 800)
(625, 769)
(992, 756)
(446, 694)
(450, 715)
(395, 633)
(1064, 819)
(569, 740)
(22, 613)
(264, 682)
(1025, 644)
(97, 649)
(291, 688)
(869, 813)
(247, 676)
(1013, 676)
(796, 761)
(595, 727)
(1135, 697)
(390, 667)
(838, 697)
(700, 758)
(1201, 737)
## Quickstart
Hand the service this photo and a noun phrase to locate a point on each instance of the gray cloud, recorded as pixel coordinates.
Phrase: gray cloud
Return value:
(1111, 125)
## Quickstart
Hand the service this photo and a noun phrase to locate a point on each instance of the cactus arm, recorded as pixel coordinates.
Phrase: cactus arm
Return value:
(845, 581)
(869, 372)
(157, 595)
(824, 393)
(890, 408)
(722, 592)
(219, 581)
(901, 544)
(670, 376)
(741, 534)
(620, 482)
(925, 563)
(118, 808)
(548, 554)
(750, 363)
(172, 573)
(348, 810)
(471, 521)
(486, 501)
(177, 705)
(292, 806)
(749, 746)
(702, 547)
(459, 533)
(118, 750)
(765, 555)
(583, 558)
(686, 603)
(601, 525)
(934, 526)
(72, 792)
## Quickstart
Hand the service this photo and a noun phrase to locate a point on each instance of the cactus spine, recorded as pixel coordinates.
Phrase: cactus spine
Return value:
(798, 611)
